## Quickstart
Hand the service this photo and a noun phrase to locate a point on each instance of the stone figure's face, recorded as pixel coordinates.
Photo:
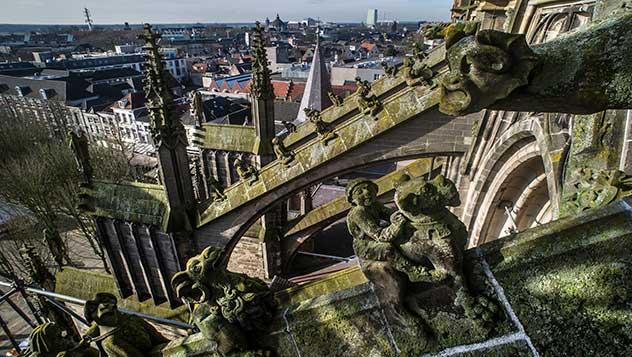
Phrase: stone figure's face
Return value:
(107, 312)
(363, 195)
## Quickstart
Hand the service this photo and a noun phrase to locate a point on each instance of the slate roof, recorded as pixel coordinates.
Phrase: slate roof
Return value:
(316, 94)
(60, 89)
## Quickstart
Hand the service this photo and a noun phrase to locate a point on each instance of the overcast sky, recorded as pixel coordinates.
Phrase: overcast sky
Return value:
(173, 11)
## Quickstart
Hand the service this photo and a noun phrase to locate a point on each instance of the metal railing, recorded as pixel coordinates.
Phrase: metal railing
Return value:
(18, 287)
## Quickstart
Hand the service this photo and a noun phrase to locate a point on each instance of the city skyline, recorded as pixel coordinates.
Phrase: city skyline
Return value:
(192, 11)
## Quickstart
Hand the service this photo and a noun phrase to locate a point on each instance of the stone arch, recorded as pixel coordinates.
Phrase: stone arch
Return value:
(527, 132)
(520, 183)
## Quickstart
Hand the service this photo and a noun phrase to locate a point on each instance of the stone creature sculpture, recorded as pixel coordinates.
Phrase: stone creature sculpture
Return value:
(118, 334)
(215, 188)
(229, 308)
(590, 188)
(337, 100)
(282, 153)
(368, 103)
(497, 64)
(48, 340)
(390, 71)
(289, 126)
(417, 72)
(324, 130)
(246, 171)
(437, 234)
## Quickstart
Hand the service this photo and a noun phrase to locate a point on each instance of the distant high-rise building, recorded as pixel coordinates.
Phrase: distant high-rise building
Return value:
(371, 18)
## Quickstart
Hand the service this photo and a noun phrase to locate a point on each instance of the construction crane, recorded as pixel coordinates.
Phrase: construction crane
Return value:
(89, 21)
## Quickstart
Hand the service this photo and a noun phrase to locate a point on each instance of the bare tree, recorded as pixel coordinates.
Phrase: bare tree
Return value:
(38, 171)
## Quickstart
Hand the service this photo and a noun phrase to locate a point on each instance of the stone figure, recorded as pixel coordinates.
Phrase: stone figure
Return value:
(422, 239)
(337, 100)
(437, 234)
(119, 334)
(215, 189)
(498, 63)
(324, 130)
(368, 103)
(229, 308)
(282, 153)
(48, 340)
(390, 71)
(289, 126)
(417, 72)
(246, 171)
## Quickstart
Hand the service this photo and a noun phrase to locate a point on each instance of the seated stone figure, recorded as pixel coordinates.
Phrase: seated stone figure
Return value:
(422, 239)
(120, 335)
(48, 340)
(369, 223)
(437, 234)
(229, 308)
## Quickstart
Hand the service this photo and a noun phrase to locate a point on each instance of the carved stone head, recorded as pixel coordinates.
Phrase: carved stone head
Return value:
(484, 68)
(193, 283)
(361, 192)
(102, 309)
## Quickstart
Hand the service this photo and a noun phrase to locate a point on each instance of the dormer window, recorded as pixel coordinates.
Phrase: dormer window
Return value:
(47, 94)
(22, 91)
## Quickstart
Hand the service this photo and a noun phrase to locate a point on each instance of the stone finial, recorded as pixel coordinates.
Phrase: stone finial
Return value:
(159, 100)
(37, 270)
(261, 87)
(197, 108)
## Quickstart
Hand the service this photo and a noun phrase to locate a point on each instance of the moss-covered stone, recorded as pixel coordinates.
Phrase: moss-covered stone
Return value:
(570, 282)
(84, 285)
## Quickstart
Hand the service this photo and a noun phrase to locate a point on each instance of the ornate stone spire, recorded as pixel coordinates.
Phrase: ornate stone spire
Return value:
(262, 100)
(261, 87)
(197, 108)
(170, 140)
(159, 100)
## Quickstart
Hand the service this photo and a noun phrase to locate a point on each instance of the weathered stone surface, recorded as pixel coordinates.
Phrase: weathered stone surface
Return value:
(581, 72)
(569, 281)
(228, 308)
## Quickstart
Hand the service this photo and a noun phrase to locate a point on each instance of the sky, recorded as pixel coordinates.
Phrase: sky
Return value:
(207, 11)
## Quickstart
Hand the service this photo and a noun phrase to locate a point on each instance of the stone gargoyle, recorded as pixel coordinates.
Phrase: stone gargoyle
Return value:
(229, 308)
(484, 68)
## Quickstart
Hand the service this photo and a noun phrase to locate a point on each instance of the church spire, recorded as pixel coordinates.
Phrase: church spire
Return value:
(316, 95)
